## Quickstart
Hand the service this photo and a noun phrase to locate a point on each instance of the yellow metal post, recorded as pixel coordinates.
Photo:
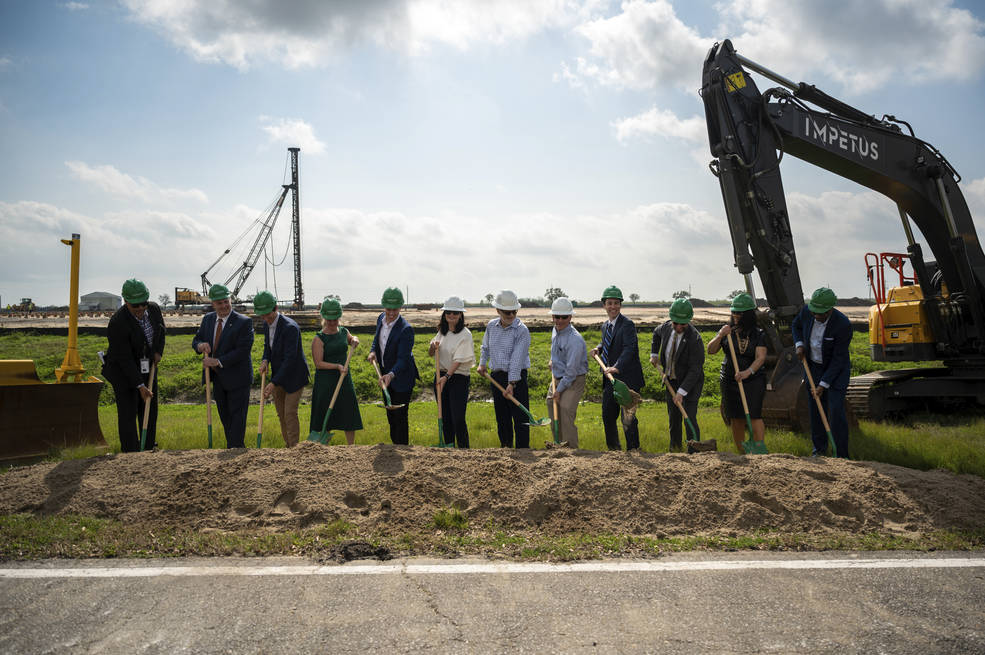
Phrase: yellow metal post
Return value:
(71, 369)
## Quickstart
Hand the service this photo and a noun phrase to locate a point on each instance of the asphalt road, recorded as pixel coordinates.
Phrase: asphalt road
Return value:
(722, 603)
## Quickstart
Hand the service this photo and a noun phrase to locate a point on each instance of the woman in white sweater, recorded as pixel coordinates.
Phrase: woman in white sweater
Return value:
(456, 356)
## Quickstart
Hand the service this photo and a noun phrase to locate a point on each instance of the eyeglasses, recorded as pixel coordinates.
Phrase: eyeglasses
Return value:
(562, 318)
(451, 313)
(508, 312)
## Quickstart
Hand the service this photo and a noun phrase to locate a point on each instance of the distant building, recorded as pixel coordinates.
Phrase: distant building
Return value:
(100, 301)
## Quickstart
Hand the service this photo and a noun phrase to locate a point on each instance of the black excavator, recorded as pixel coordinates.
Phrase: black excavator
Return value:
(935, 314)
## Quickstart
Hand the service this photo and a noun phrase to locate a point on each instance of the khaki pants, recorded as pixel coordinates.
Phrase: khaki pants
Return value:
(287, 412)
(568, 408)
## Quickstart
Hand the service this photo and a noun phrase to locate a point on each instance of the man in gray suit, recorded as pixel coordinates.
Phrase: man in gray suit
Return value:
(678, 348)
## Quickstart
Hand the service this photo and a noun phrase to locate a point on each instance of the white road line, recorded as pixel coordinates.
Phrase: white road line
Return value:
(205, 570)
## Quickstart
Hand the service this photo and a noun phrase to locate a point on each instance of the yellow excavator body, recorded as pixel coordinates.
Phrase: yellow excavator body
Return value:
(899, 330)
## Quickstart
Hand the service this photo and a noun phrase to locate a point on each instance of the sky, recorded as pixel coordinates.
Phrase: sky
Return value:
(448, 147)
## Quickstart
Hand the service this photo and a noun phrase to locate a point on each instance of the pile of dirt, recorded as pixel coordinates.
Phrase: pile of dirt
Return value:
(399, 488)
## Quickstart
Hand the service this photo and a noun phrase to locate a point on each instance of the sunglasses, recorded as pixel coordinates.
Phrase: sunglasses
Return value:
(562, 318)
(508, 312)
(138, 305)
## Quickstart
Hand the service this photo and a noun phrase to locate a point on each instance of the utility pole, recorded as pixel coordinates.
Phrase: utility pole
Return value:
(296, 229)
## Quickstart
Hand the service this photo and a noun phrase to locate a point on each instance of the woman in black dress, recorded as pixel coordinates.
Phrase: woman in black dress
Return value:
(750, 352)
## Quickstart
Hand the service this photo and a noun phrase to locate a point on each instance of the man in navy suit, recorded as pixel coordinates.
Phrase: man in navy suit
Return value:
(620, 352)
(393, 346)
(822, 335)
(226, 339)
(282, 350)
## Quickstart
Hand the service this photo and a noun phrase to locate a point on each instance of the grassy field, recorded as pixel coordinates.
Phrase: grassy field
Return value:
(179, 378)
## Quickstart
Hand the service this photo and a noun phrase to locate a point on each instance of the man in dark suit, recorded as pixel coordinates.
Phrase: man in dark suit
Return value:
(136, 341)
(619, 351)
(678, 348)
(282, 350)
(393, 346)
(226, 339)
(822, 336)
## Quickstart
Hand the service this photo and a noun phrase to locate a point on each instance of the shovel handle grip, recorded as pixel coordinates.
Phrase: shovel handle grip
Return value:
(602, 364)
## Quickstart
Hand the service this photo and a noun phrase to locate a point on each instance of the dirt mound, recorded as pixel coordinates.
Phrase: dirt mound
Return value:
(398, 488)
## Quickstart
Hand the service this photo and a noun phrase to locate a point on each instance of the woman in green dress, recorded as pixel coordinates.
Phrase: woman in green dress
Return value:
(328, 351)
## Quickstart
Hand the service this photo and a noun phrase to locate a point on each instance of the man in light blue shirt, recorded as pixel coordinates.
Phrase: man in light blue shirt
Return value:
(569, 364)
(506, 350)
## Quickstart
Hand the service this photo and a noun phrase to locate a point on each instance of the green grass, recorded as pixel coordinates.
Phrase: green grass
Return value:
(24, 536)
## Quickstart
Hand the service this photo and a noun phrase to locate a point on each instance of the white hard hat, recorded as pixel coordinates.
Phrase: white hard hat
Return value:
(562, 307)
(454, 304)
(506, 300)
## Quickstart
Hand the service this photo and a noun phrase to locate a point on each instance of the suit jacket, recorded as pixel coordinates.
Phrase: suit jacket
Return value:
(232, 351)
(128, 345)
(689, 360)
(624, 353)
(398, 358)
(285, 355)
(835, 361)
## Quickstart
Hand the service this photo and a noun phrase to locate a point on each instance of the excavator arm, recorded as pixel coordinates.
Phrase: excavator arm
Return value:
(749, 132)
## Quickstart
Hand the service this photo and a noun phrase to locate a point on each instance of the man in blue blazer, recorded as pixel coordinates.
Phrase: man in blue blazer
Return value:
(393, 346)
(822, 335)
(283, 352)
(620, 352)
(226, 339)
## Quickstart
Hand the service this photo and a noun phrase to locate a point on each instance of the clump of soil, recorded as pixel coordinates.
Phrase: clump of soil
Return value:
(399, 488)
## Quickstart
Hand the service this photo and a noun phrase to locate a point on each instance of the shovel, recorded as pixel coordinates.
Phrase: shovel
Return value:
(751, 446)
(680, 404)
(820, 408)
(150, 385)
(322, 437)
(555, 423)
(628, 399)
(386, 394)
(263, 380)
(534, 422)
(437, 395)
(208, 400)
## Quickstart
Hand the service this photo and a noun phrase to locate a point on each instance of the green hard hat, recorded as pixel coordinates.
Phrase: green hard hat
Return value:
(742, 303)
(218, 292)
(612, 292)
(393, 298)
(135, 291)
(330, 309)
(681, 311)
(822, 300)
(264, 303)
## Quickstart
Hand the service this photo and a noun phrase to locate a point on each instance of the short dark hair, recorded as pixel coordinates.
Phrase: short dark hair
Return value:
(443, 326)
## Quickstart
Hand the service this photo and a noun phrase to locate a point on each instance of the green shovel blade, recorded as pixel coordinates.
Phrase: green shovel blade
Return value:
(831, 442)
(621, 393)
(322, 437)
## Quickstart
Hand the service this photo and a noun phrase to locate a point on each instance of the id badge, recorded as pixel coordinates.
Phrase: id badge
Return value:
(144, 365)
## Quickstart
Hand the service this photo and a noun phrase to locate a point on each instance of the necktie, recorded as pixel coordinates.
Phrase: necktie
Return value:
(606, 340)
(218, 333)
(673, 357)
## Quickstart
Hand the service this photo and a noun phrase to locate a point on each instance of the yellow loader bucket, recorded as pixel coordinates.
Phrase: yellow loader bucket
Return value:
(36, 418)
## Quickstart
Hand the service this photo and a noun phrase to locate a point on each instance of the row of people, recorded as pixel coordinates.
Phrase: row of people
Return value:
(225, 339)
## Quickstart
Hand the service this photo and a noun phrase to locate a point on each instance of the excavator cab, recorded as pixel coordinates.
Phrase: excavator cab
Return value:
(36, 417)
(899, 329)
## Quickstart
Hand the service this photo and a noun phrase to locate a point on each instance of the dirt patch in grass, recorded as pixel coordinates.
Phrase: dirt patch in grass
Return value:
(393, 489)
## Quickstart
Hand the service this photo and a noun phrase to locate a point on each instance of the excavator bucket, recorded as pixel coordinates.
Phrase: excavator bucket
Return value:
(36, 417)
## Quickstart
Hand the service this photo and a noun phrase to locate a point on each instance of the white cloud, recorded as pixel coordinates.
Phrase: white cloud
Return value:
(300, 34)
(75, 6)
(857, 43)
(661, 122)
(643, 47)
(113, 181)
(292, 132)
(5, 63)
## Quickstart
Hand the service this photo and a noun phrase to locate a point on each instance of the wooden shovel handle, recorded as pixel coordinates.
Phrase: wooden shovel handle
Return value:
(150, 387)
(338, 387)
(501, 389)
(735, 365)
(602, 364)
(437, 377)
(820, 407)
(673, 392)
(208, 394)
(263, 383)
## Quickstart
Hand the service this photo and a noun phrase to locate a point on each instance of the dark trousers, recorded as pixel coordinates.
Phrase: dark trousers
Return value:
(454, 398)
(833, 401)
(399, 419)
(130, 417)
(675, 419)
(232, 405)
(510, 419)
(610, 414)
